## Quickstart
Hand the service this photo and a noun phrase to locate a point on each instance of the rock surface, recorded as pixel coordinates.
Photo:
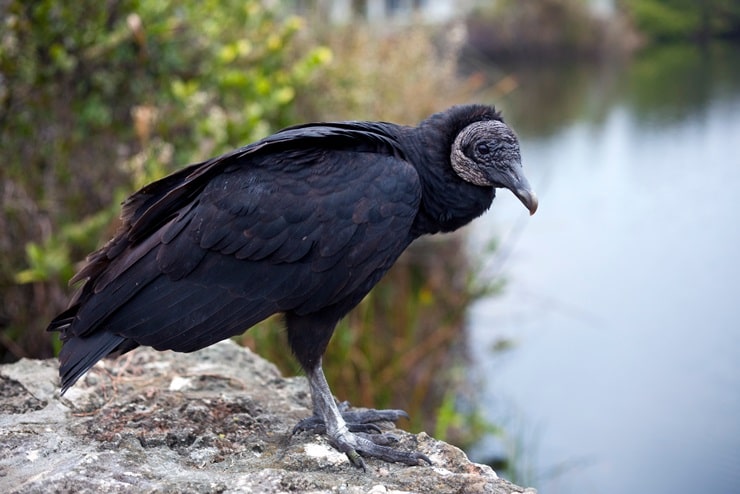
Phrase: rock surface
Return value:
(217, 420)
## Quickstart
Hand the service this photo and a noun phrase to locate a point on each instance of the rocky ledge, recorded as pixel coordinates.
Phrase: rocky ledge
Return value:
(217, 420)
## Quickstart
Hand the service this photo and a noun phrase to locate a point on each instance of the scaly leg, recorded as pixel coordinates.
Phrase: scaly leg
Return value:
(355, 439)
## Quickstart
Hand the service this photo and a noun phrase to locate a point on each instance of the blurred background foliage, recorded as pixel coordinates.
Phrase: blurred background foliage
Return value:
(554, 31)
(684, 20)
(99, 98)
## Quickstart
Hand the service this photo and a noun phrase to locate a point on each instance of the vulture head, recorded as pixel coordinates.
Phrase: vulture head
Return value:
(486, 153)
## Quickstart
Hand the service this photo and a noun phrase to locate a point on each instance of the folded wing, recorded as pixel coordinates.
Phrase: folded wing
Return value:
(210, 251)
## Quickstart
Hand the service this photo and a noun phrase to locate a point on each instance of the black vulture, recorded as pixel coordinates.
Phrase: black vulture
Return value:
(303, 223)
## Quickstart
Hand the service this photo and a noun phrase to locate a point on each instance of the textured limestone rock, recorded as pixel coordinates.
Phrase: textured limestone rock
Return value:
(217, 420)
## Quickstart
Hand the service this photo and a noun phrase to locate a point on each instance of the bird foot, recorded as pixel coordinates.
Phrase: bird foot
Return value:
(359, 445)
(356, 420)
(363, 437)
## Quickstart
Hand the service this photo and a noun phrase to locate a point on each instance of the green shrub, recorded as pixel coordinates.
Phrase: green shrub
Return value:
(99, 98)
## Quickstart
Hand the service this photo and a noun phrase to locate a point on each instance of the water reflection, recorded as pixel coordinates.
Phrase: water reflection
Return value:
(663, 85)
(621, 294)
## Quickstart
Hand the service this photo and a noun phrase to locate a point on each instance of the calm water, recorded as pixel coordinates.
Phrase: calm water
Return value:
(622, 299)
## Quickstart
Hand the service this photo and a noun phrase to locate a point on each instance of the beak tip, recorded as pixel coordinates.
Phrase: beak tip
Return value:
(529, 199)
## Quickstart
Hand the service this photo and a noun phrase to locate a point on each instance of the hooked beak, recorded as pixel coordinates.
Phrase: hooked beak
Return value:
(525, 194)
(517, 183)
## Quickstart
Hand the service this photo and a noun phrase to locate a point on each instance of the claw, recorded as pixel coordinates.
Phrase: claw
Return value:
(354, 433)
(363, 437)
(356, 459)
(356, 446)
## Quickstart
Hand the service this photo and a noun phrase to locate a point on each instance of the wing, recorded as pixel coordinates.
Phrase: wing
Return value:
(298, 229)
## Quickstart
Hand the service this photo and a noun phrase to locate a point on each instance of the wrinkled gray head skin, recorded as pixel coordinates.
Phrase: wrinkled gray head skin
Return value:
(486, 153)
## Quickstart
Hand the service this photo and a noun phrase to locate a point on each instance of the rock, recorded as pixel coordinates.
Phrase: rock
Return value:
(218, 420)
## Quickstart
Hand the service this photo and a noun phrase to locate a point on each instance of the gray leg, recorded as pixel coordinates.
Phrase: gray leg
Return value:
(355, 440)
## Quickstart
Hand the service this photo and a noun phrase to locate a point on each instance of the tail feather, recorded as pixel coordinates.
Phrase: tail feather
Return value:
(78, 355)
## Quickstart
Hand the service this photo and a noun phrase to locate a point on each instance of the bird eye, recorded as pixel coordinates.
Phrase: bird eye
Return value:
(482, 148)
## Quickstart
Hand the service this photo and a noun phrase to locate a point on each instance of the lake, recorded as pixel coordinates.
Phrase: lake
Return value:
(612, 356)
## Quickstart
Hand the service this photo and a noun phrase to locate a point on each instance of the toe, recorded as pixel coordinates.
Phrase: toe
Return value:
(380, 439)
(366, 428)
(371, 415)
(310, 424)
(354, 445)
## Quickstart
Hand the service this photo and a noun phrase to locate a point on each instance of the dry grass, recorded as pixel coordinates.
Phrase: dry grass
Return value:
(403, 75)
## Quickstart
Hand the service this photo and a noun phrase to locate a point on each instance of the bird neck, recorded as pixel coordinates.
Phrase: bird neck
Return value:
(448, 202)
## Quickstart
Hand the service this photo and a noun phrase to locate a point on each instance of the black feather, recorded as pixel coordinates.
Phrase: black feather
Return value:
(304, 222)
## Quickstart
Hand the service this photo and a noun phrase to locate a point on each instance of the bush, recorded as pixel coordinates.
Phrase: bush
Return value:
(99, 98)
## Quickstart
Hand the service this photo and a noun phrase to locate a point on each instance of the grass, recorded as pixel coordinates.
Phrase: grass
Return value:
(401, 75)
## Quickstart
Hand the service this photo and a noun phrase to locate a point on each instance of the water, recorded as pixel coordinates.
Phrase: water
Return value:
(622, 301)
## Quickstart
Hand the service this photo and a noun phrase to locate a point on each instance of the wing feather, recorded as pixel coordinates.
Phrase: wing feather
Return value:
(345, 237)
(210, 251)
